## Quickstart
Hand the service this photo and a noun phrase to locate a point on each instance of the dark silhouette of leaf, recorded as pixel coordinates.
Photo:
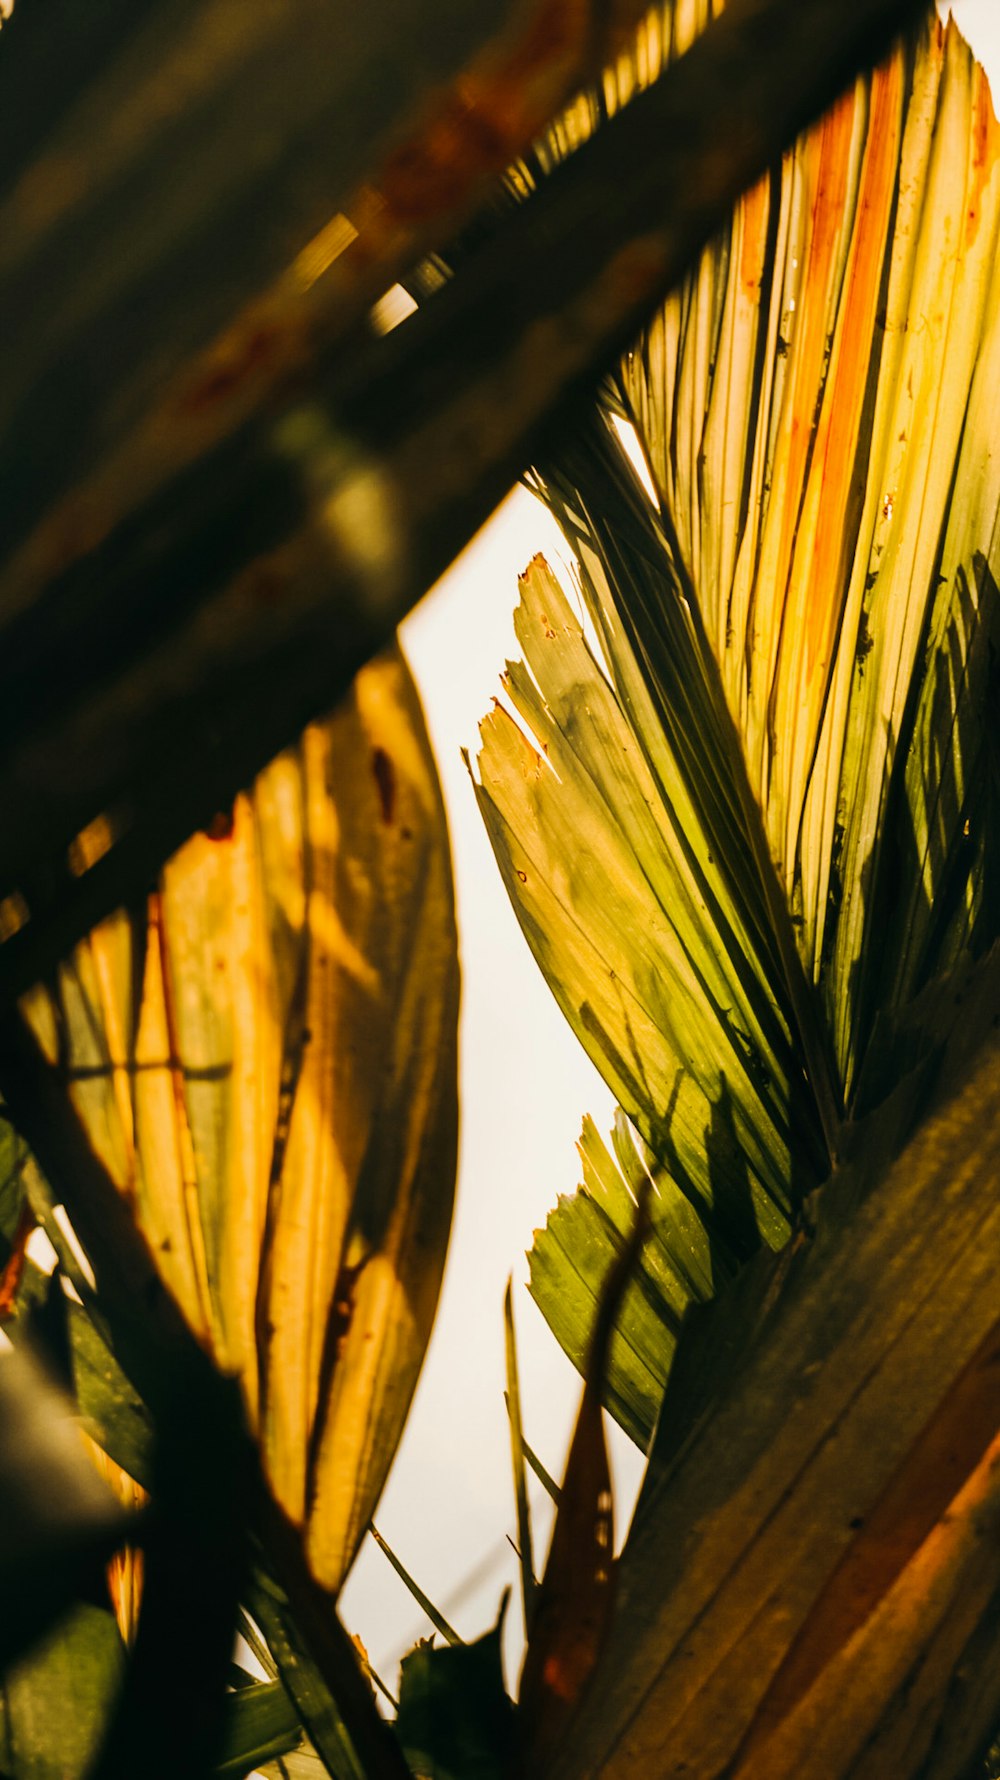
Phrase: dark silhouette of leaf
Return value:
(455, 1720)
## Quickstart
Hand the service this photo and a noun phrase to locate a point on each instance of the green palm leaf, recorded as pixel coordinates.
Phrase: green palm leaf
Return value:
(569, 1268)
(745, 799)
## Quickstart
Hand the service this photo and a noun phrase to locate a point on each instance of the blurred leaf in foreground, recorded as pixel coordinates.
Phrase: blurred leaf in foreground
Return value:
(55, 1703)
(59, 1522)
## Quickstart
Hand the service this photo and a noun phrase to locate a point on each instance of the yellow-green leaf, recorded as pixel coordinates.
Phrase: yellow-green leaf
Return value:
(610, 864)
(746, 799)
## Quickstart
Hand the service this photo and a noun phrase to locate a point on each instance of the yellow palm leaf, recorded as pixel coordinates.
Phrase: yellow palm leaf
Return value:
(265, 1061)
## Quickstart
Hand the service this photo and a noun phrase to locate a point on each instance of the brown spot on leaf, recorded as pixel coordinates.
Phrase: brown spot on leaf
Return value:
(221, 826)
(342, 1308)
(385, 780)
(10, 1278)
(265, 585)
(234, 364)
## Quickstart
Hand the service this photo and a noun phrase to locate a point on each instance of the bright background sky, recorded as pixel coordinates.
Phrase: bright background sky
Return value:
(526, 1084)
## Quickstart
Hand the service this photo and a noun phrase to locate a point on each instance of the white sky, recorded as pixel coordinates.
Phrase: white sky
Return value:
(525, 1087)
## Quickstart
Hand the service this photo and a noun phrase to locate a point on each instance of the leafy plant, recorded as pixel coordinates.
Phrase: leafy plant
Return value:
(263, 1065)
(744, 800)
(767, 736)
(264, 1059)
(745, 804)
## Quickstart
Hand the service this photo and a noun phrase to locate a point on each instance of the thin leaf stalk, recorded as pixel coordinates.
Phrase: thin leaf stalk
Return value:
(423, 1601)
(517, 1454)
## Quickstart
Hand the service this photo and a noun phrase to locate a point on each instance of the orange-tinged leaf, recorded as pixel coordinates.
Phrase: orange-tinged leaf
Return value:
(772, 783)
(960, 1439)
(10, 1275)
(804, 441)
(125, 1570)
(814, 604)
(865, 1713)
(267, 1066)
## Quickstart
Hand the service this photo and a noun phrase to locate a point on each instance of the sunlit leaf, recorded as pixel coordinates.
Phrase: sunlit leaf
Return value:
(265, 1061)
(746, 795)
(835, 500)
(512, 1398)
(423, 1601)
(615, 881)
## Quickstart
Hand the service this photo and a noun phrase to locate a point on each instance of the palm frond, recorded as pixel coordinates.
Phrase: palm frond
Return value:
(833, 496)
(264, 1059)
(675, 1268)
(746, 800)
